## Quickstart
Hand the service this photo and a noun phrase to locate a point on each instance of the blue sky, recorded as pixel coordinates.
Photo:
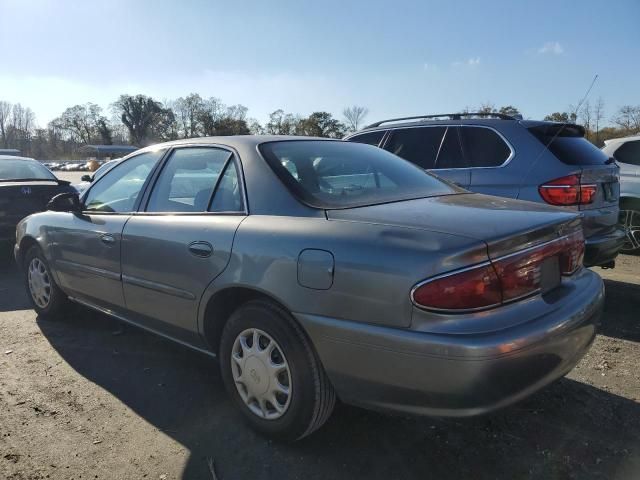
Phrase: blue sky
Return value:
(397, 58)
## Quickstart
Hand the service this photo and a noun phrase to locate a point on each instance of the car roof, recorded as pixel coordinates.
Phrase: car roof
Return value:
(13, 157)
(236, 141)
(493, 122)
(614, 141)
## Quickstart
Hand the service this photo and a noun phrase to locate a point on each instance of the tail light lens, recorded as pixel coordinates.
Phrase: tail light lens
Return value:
(567, 191)
(467, 290)
(501, 281)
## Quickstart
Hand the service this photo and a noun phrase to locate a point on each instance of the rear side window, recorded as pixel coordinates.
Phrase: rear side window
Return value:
(371, 138)
(418, 145)
(484, 147)
(450, 155)
(629, 153)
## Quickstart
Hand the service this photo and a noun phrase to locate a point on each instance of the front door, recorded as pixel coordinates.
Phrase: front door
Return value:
(87, 246)
(182, 240)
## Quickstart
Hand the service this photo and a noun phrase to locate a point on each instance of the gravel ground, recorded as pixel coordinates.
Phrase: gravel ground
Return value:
(88, 398)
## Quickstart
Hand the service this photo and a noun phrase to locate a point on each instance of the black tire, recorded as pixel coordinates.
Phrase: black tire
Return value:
(58, 302)
(312, 396)
(630, 219)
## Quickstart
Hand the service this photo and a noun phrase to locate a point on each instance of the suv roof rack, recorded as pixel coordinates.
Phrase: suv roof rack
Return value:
(450, 116)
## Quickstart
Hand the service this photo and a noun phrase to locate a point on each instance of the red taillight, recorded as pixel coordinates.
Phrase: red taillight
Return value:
(470, 289)
(568, 191)
(503, 280)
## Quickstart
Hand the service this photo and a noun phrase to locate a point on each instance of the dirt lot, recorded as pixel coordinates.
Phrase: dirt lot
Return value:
(87, 398)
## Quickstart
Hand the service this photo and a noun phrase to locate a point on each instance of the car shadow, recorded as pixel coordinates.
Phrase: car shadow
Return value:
(569, 430)
(620, 299)
(13, 295)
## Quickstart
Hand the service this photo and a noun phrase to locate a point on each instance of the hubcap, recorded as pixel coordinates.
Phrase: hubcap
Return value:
(39, 283)
(261, 374)
(630, 220)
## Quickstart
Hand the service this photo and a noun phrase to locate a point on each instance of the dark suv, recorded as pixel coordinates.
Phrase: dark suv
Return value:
(506, 156)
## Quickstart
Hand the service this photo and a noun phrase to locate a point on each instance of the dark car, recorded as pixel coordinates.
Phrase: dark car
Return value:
(540, 161)
(26, 186)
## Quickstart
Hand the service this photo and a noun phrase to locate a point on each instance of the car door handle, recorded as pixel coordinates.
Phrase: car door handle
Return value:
(201, 249)
(108, 239)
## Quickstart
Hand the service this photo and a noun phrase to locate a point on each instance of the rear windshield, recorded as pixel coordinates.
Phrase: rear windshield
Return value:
(570, 147)
(23, 170)
(335, 174)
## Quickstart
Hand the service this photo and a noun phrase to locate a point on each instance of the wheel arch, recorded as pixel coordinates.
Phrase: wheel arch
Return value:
(25, 244)
(220, 305)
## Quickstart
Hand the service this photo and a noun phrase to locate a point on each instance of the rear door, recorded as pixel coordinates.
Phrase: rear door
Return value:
(182, 238)
(489, 154)
(435, 148)
(87, 246)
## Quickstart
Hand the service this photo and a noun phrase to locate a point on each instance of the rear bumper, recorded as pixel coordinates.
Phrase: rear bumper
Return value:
(456, 375)
(603, 249)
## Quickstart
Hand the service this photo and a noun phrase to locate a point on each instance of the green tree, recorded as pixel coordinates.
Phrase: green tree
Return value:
(563, 117)
(146, 119)
(321, 124)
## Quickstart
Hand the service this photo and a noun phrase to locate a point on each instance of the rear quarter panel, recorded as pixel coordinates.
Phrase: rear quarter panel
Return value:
(375, 265)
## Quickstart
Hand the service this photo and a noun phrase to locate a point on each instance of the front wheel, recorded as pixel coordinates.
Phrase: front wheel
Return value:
(47, 298)
(272, 372)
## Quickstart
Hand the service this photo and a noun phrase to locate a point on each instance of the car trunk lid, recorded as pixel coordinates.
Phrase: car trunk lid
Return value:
(504, 225)
(22, 198)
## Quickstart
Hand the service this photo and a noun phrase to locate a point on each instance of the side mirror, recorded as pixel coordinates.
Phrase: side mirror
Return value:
(65, 202)
(86, 178)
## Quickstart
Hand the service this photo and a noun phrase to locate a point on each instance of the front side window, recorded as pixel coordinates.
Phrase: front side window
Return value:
(418, 145)
(484, 147)
(117, 190)
(629, 153)
(187, 180)
(333, 174)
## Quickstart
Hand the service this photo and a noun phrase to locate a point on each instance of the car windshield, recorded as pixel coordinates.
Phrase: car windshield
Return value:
(23, 170)
(336, 174)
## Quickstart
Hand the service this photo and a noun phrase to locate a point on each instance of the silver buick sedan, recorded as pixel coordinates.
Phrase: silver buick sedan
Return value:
(318, 269)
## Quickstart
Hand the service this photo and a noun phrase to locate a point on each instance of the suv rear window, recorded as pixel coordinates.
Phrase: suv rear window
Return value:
(629, 153)
(370, 138)
(568, 144)
(335, 174)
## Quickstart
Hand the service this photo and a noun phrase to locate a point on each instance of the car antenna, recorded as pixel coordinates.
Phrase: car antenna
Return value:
(564, 124)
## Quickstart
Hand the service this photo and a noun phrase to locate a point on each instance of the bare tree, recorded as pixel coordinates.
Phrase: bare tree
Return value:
(5, 113)
(188, 111)
(354, 116)
(628, 118)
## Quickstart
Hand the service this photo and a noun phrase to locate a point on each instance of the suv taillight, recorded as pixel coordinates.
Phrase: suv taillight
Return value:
(568, 191)
(501, 281)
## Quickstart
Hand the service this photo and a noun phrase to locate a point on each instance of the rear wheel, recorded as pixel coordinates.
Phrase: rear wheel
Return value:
(272, 372)
(630, 221)
(47, 298)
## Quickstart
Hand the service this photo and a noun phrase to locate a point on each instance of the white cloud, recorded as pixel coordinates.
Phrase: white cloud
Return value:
(551, 47)
(430, 67)
(469, 62)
